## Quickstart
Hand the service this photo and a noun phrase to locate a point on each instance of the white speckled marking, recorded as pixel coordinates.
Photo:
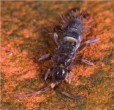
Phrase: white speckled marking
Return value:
(70, 39)
(52, 85)
(63, 71)
(79, 39)
(68, 60)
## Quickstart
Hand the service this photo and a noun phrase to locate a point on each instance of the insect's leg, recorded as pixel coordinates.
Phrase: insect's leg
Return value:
(47, 74)
(87, 62)
(55, 36)
(70, 77)
(87, 42)
(44, 57)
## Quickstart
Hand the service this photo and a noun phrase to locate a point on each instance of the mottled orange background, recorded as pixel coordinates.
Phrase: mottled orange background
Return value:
(25, 37)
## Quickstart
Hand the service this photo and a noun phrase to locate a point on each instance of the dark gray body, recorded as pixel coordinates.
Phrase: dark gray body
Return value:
(72, 32)
(66, 50)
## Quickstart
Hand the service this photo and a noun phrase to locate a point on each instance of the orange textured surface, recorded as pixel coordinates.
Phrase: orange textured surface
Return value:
(24, 38)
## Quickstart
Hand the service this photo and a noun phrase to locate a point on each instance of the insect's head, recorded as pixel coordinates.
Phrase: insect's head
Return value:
(59, 73)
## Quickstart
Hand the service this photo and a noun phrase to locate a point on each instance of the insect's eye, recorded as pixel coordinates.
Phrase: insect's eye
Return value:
(60, 71)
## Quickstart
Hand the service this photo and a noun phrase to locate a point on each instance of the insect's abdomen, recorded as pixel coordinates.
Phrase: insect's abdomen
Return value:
(74, 28)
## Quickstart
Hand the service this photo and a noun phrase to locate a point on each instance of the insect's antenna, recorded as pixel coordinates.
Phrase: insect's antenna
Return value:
(52, 86)
(72, 96)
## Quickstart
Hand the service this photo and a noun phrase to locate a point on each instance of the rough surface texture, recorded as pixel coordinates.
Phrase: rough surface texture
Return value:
(24, 39)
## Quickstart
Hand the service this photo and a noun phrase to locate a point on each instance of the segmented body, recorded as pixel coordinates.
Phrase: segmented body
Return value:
(67, 49)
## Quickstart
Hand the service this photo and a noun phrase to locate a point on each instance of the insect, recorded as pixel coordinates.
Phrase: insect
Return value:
(67, 50)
